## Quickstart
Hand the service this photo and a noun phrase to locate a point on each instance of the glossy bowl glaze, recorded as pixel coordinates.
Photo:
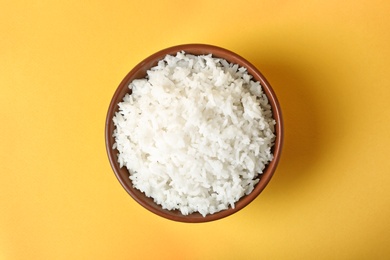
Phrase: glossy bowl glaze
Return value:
(138, 72)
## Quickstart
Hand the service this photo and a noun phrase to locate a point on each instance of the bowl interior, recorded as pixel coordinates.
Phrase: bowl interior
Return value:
(140, 72)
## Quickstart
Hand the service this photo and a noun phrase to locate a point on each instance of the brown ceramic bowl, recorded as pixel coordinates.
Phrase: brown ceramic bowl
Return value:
(139, 71)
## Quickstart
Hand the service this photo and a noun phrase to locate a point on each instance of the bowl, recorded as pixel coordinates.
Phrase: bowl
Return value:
(139, 71)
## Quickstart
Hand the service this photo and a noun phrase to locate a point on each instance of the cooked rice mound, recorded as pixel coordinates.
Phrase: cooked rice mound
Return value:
(195, 133)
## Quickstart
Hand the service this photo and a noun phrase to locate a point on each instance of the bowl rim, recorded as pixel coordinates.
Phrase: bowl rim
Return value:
(196, 49)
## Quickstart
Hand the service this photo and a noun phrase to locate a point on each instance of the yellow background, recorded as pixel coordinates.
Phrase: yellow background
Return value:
(328, 62)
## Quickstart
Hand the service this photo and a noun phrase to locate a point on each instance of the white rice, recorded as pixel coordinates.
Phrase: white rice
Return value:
(195, 133)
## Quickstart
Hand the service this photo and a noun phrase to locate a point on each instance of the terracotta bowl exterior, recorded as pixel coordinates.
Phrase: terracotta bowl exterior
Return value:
(139, 71)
